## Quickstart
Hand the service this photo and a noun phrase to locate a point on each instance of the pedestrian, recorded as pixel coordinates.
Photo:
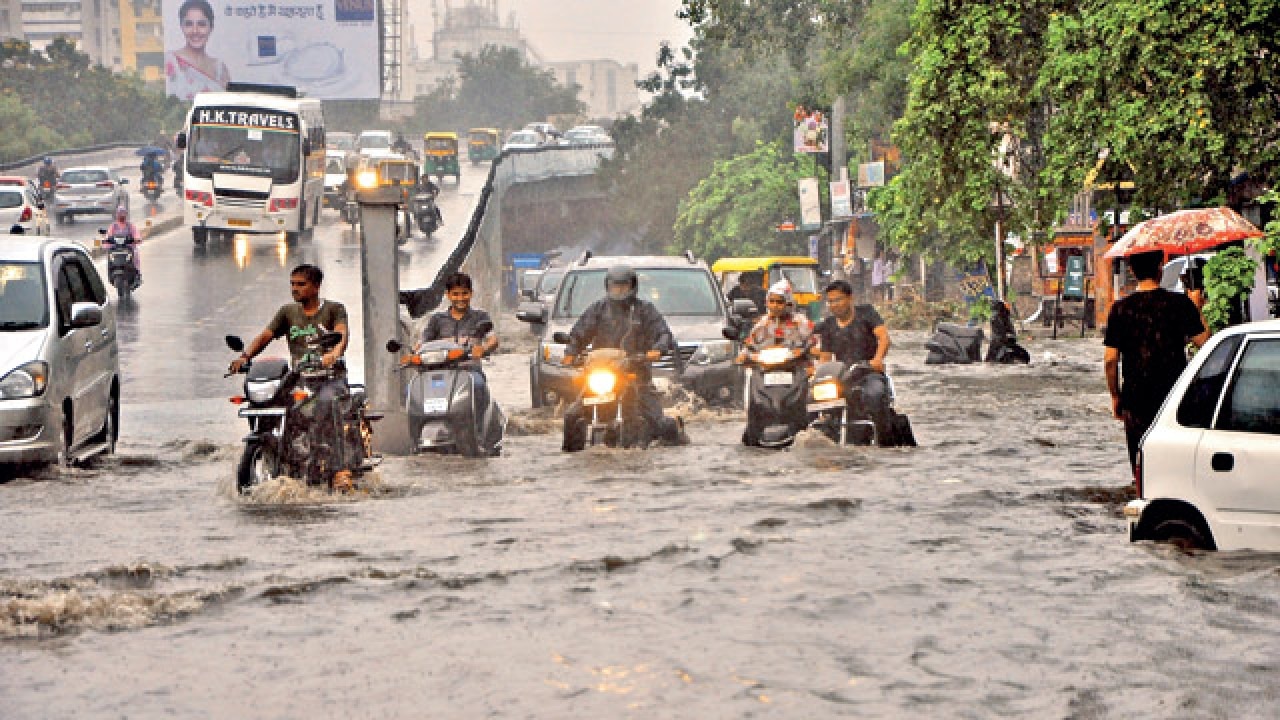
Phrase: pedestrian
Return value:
(879, 277)
(1146, 338)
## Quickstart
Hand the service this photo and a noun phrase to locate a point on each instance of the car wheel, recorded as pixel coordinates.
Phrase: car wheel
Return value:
(64, 458)
(111, 426)
(1182, 534)
(535, 392)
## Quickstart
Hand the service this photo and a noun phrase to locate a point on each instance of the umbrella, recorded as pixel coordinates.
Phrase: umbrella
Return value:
(150, 150)
(1184, 232)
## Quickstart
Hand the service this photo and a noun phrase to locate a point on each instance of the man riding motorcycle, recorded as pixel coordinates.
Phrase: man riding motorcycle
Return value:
(47, 178)
(122, 228)
(308, 317)
(854, 334)
(462, 323)
(151, 166)
(623, 321)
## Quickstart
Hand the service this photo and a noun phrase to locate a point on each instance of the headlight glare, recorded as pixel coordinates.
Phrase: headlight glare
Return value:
(25, 381)
(774, 355)
(602, 382)
(826, 391)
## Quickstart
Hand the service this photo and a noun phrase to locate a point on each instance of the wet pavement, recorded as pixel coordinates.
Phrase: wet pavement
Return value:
(984, 574)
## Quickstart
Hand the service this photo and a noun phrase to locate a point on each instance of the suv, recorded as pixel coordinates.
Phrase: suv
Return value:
(687, 296)
(1207, 468)
(59, 363)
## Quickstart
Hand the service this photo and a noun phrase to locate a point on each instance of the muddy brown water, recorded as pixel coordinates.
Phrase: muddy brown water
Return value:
(984, 574)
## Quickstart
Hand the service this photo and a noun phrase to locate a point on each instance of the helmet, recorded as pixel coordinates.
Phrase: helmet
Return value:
(48, 160)
(617, 275)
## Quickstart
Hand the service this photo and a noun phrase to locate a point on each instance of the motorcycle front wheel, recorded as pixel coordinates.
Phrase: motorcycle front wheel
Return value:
(258, 464)
(123, 286)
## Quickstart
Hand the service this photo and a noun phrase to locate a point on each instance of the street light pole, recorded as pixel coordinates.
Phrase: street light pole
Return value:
(1000, 273)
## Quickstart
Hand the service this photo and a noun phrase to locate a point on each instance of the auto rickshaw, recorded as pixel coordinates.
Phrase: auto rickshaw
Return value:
(441, 156)
(801, 272)
(483, 144)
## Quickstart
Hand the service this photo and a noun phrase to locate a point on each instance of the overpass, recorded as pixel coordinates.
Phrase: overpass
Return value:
(533, 201)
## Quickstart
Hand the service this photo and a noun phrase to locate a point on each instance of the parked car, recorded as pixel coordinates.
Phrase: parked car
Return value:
(522, 140)
(1208, 467)
(683, 290)
(59, 363)
(89, 191)
(20, 206)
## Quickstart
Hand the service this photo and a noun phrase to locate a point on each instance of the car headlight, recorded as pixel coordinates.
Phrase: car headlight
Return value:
(602, 382)
(775, 355)
(262, 392)
(712, 351)
(25, 381)
(553, 353)
(824, 391)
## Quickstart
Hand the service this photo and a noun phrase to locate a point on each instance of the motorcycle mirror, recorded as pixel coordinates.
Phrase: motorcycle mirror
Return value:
(560, 337)
(394, 346)
(233, 341)
(484, 329)
(102, 231)
(730, 332)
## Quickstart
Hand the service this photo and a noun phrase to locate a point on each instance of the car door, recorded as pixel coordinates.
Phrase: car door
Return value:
(80, 348)
(1238, 460)
(104, 357)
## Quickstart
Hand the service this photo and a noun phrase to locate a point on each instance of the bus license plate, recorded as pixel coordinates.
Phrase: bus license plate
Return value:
(237, 222)
(777, 379)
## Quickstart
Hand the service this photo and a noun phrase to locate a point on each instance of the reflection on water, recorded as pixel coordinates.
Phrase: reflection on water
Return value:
(241, 250)
(282, 250)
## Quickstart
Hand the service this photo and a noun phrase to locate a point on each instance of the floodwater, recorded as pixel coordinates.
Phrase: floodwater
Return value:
(984, 574)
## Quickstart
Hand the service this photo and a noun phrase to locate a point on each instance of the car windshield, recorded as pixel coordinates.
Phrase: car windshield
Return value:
(84, 177)
(675, 291)
(246, 149)
(803, 278)
(549, 281)
(22, 297)
(375, 142)
(334, 167)
(10, 199)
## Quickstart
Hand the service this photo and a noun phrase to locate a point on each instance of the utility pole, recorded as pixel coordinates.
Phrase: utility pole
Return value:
(839, 161)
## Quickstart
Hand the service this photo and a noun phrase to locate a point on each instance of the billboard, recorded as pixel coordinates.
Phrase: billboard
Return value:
(327, 49)
(810, 204)
(809, 133)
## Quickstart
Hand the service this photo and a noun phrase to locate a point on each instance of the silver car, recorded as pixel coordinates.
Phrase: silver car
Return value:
(59, 363)
(89, 191)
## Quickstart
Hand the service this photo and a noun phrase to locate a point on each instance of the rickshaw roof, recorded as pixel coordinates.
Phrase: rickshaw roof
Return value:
(441, 136)
(748, 264)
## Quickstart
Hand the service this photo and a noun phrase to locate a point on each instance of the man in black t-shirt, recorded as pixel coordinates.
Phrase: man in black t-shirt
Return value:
(855, 334)
(1147, 335)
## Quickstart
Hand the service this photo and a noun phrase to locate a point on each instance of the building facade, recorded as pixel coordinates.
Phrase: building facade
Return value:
(608, 87)
(142, 39)
(11, 20)
(94, 25)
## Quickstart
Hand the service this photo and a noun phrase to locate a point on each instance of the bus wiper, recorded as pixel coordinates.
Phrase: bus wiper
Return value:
(19, 325)
(227, 155)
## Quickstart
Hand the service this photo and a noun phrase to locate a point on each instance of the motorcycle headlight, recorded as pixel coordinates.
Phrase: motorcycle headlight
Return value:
(553, 353)
(25, 381)
(712, 351)
(435, 357)
(262, 392)
(775, 355)
(602, 382)
(824, 391)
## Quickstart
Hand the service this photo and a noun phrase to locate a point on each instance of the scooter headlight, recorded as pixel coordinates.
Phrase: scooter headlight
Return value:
(263, 391)
(434, 357)
(602, 382)
(775, 355)
(824, 391)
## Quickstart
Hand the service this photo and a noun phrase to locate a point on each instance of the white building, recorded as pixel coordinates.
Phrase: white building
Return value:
(94, 25)
(11, 19)
(608, 87)
(462, 29)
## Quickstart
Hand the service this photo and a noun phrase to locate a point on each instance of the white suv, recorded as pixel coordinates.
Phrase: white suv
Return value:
(1209, 472)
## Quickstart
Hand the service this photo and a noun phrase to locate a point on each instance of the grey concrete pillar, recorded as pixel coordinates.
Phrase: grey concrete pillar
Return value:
(380, 277)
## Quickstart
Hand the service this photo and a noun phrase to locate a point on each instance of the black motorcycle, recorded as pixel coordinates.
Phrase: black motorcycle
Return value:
(426, 212)
(279, 403)
(835, 396)
(152, 186)
(122, 273)
(775, 397)
(445, 414)
(610, 399)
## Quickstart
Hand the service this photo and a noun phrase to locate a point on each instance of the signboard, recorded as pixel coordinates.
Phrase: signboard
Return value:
(976, 283)
(810, 204)
(841, 202)
(871, 175)
(810, 133)
(326, 49)
(814, 247)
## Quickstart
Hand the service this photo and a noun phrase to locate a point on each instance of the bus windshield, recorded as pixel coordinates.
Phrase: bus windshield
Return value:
(245, 141)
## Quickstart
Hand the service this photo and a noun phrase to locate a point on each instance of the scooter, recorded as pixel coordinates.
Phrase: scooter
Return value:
(775, 396)
(442, 403)
(278, 403)
(121, 271)
(835, 395)
(426, 212)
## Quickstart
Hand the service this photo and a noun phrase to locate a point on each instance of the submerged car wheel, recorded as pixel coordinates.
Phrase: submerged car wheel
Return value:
(1182, 534)
(64, 458)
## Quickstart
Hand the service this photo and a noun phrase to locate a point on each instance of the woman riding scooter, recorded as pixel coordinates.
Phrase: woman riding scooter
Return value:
(125, 229)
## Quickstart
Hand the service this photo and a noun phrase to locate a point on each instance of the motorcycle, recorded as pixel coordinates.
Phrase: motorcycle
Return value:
(427, 213)
(440, 398)
(47, 191)
(775, 397)
(152, 187)
(122, 273)
(610, 385)
(278, 402)
(835, 395)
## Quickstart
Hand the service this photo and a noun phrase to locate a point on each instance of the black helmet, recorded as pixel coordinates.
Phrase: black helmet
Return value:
(619, 274)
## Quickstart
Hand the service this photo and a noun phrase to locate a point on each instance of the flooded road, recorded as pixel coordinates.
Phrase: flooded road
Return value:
(984, 574)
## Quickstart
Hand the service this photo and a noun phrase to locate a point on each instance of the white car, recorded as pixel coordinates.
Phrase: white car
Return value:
(588, 135)
(522, 140)
(335, 174)
(19, 207)
(89, 191)
(1209, 468)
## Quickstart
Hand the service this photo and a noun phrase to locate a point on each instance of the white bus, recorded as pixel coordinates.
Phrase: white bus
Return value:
(254, 163)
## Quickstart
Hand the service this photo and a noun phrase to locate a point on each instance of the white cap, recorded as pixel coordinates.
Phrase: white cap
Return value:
(783, 288)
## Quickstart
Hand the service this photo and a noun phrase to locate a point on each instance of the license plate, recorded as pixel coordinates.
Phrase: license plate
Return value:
(598, 399)
(777, 379)
(435, 405)
(828, 405)
(662, 384)
(237, 222)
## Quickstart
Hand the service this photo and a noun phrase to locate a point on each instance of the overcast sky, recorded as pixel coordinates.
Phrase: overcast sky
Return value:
(622, 30)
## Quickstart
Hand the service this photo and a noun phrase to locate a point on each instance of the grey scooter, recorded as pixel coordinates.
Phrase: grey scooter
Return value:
(441, 402)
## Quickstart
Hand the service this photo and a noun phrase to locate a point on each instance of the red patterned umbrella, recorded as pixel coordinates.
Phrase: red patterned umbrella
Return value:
(1184, 232)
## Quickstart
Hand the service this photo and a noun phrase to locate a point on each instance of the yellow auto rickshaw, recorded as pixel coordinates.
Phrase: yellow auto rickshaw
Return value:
(801, 272)
(483, 144)
(441, 156)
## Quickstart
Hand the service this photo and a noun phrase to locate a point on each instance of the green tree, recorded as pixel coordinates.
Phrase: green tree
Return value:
(733, 210)
(23, 130)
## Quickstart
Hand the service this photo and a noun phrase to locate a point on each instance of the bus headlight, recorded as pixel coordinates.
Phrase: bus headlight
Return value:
(602, 382)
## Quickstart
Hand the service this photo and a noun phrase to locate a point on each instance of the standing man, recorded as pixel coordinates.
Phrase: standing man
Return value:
(855, 334)
(465, 325)
(307, 318)
(1147, 335)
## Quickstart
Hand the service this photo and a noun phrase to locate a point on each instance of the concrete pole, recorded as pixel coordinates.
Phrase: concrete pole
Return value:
(839, 161)
(380, 277)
